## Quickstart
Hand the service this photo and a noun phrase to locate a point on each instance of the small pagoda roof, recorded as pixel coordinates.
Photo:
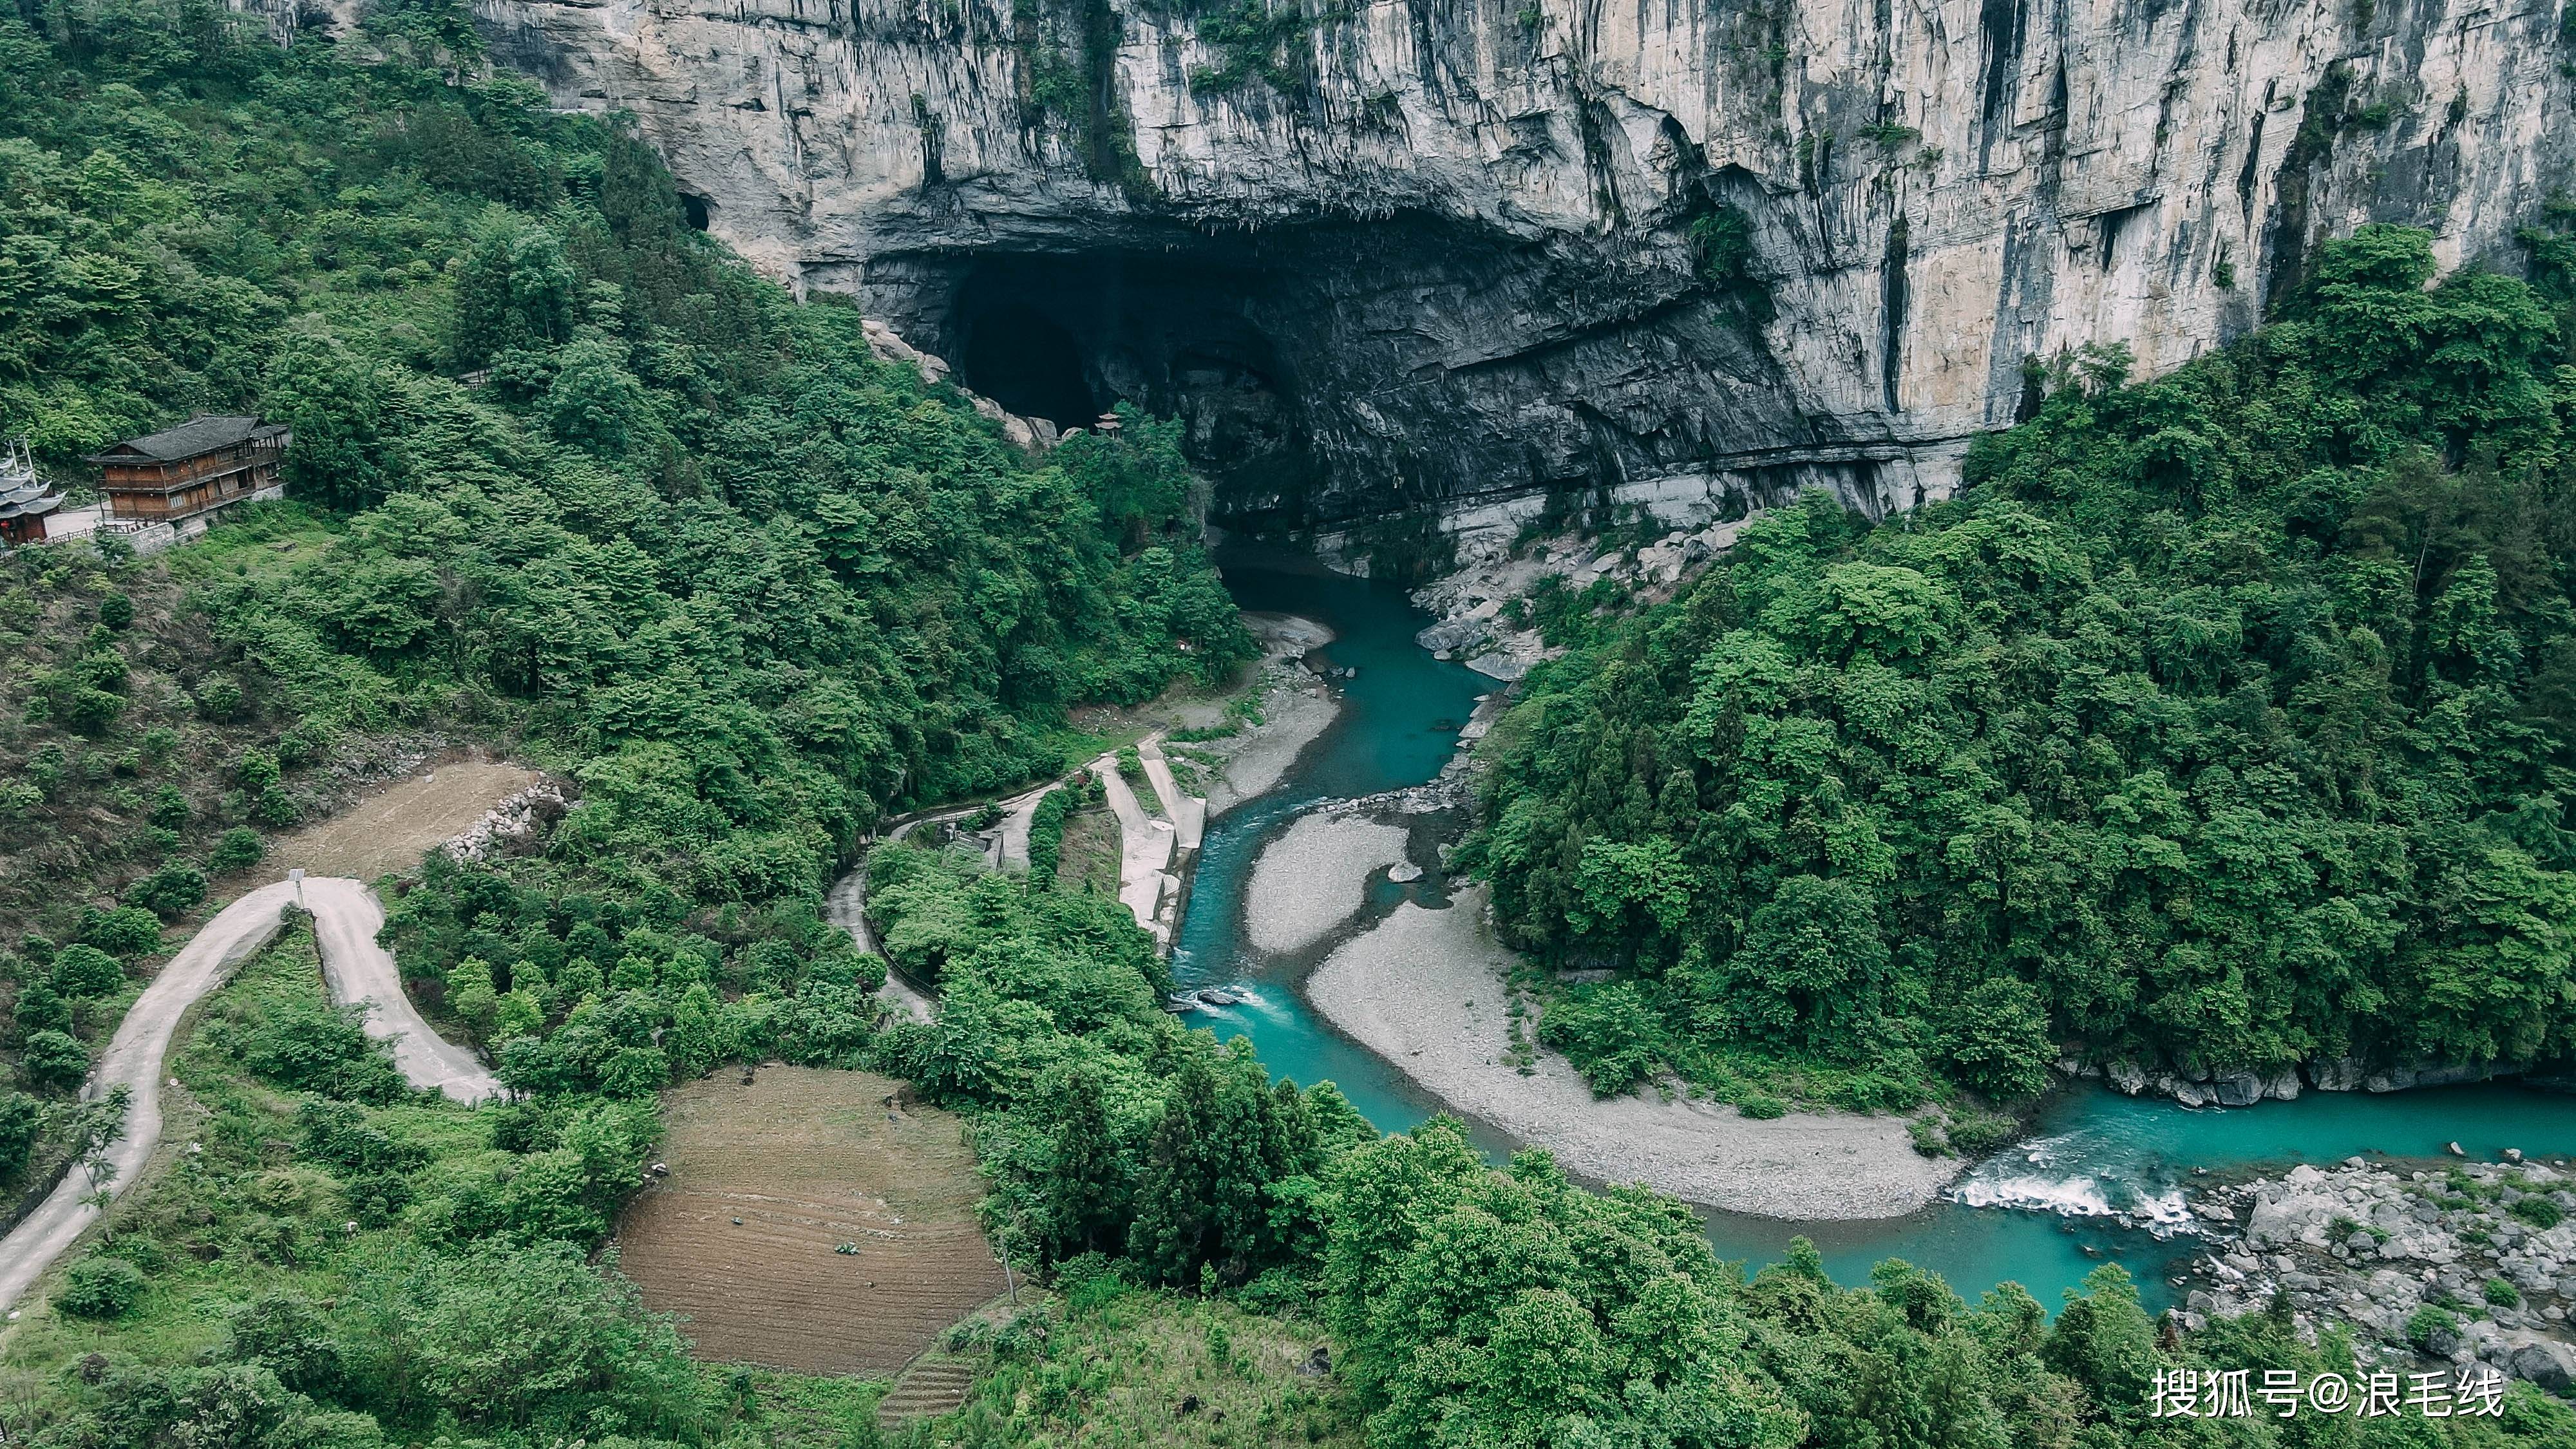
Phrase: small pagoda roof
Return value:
(29, 506)
(193, 438)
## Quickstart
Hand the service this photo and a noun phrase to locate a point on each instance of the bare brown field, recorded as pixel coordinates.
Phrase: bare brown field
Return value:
(806, 1159)
(393, 828)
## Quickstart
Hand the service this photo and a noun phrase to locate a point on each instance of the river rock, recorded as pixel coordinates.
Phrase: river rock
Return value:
(2127, 1078)
(2389, 1079)
(1403, 872)
(2283, 1086)
(2328, 1238)
(2239, 1089)
(1457, 636)
(2549, 1365)
(2342, 1074)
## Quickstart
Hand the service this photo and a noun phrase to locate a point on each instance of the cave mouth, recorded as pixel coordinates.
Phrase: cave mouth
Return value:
(1021, 358)
(1068, 336)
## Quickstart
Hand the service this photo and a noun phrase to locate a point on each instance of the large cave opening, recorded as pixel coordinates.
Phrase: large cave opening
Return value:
(1066, 337)
(1336, 377)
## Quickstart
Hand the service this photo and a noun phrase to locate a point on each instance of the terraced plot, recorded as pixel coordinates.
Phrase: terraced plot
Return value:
(769, 1181)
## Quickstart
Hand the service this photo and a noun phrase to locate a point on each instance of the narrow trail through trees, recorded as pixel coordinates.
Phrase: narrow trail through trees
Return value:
(346, 919)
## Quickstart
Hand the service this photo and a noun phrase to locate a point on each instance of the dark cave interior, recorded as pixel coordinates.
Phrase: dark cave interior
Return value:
(1065, 337)
(1336, 375)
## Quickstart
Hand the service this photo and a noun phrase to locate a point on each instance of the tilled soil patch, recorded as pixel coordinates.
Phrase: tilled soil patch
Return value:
(770, 1182)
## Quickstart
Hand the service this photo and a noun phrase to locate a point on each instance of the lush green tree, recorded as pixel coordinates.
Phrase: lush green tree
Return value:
(127, 931)
(237, 849)
(1998, 1040)
(170, 892)
(21, 1117)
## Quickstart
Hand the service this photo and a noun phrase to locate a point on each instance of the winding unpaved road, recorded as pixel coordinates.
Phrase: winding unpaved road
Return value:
(346, 919)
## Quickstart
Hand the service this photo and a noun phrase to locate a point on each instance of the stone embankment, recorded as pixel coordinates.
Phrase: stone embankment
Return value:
(515, 826)
(2244, 1088)
(2465, 1262)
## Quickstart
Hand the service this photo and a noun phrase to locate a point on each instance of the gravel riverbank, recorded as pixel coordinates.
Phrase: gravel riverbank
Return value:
(1314, 875)
(1425, 990)
(1296, 707)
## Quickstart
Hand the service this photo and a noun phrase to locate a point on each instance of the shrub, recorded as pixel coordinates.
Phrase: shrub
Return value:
(1608, 1032)
(307, 742)
(219, 697)
(41, 1008)
(20, 1117)
(127, 931)
(1978, 1133)
(116, 611)
(53, 1062)
(2501, 1293)
(170, 892)
(86, 971)
(256, 770)
(100, 1288)
(1046, 834)
(239, 848)
(277, 808)
(2540, 1212)
(88, 711)
(2429, 1326)
(321, 1051)
(284, 1333)
(169, 808)
(1762, 1107)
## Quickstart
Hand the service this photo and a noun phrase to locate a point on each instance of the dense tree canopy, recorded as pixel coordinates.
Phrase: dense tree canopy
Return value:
(2224, 719)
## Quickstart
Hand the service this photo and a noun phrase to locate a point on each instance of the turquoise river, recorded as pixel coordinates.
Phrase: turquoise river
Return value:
(2099, 1180)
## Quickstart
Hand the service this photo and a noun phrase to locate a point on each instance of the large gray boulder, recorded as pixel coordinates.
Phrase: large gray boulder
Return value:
(2239, 1089)
(2550, 1365)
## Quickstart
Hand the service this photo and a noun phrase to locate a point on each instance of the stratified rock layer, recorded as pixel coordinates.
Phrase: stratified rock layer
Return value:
(1441, 257)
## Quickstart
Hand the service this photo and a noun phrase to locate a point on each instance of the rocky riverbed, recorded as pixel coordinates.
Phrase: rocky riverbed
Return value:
(2465, 1262)
(1474, 602)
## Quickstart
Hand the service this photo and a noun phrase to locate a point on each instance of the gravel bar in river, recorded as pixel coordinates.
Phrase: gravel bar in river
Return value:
(1424, 989)
(1313, 876)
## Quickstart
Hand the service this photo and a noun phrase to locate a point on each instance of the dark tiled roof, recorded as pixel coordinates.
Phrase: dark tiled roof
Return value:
(189, 439)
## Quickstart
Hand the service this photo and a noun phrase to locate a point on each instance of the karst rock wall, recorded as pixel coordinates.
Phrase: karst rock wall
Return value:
(1438, 256)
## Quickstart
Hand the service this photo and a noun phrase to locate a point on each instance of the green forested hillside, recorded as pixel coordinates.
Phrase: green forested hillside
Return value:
(2224, 719)
(688, 545)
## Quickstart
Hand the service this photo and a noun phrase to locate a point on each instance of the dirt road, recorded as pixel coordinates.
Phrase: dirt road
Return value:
(346, 919)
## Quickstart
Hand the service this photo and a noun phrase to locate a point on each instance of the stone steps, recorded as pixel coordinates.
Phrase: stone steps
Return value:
(930, 1387)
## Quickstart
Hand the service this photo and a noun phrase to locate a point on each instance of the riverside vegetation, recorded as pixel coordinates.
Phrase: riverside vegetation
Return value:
(693, 549)
(2224, 720)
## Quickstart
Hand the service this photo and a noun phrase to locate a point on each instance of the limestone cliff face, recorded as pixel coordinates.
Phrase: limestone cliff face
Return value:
(1476, 253)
